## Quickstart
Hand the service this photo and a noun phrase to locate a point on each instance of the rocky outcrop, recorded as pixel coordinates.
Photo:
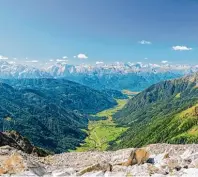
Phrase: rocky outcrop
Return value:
(164, 160)
(15, 140)
(17, 163)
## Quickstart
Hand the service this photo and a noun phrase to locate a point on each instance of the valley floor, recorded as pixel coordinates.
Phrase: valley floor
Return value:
(102, 132)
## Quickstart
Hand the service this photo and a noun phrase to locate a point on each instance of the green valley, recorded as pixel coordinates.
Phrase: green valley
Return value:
(102, 132)
(51, 113)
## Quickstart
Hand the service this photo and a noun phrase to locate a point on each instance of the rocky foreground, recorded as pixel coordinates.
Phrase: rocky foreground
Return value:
(164, 160)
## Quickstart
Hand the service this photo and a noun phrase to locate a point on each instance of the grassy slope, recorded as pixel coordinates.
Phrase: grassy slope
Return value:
(187, 125)
(101, 132)
(165, 112)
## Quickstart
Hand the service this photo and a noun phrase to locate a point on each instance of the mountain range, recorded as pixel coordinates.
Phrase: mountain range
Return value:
(119, 76)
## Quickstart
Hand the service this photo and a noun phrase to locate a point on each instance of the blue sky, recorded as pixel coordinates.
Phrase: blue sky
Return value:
(99, 30)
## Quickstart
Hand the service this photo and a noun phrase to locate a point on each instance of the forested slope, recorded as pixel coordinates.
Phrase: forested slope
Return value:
(165, 112)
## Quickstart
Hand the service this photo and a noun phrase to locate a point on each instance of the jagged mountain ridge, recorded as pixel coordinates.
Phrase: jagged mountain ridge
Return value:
(165, 112)
(11, 71)
(131, 76)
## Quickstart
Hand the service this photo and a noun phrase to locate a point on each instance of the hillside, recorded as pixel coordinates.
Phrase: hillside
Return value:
(67, 93)
(165, 112)
(49, 112)
(120, 81)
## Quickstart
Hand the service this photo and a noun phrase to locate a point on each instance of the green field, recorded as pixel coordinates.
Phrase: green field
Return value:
(101, 132)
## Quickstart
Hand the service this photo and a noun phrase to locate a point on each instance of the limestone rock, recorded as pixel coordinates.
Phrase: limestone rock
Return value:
(170, 160)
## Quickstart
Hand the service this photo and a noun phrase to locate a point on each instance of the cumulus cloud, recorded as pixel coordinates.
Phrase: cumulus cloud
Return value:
(99, 62)
(64, 57)
(74, 56)
(145, 42)
(82, 56)
(51, 60)
(164, 61)
(181, 48)
(3, 57)
(32, 61)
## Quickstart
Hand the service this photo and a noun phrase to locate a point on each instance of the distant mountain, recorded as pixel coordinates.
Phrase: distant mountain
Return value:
(117, 76)
(165, 112)
(10, 71)
(63, 69)
(50, 112)
(130, 81)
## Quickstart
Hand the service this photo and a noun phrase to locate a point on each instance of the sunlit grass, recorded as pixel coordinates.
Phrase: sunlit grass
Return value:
(101, 132)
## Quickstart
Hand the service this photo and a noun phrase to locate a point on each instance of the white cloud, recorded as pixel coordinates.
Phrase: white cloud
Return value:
(145, 42)
(61, 60)
(146, 58)
(74, 56)
(11, 62)
(3, 57)
(164, 61)
(51, 60)
(82, 56)
(181, 48)
(32, 61)
(64, 57)
(99, 62)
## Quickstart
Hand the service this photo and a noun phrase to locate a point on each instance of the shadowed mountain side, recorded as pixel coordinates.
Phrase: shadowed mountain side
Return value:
(51, 113)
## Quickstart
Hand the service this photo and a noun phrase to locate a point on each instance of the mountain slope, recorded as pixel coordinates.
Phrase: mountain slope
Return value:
(49, 112)
(165, 112)
(66, 93)
(120, 81)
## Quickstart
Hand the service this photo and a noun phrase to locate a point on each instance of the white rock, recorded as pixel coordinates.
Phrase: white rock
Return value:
(94, 174)
(115, 174)
(64, 172)
(25, 174)
(191, 172)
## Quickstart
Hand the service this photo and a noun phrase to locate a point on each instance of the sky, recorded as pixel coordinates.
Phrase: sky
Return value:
(90, 31)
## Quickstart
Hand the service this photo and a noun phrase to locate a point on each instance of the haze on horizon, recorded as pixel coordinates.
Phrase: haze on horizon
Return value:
(91, 31)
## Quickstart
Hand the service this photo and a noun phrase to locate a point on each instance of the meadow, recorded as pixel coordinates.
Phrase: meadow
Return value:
(102, 132)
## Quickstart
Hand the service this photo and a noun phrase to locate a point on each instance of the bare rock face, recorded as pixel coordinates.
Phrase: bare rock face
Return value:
(164, 160)
(15, 140)
(14, 161)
